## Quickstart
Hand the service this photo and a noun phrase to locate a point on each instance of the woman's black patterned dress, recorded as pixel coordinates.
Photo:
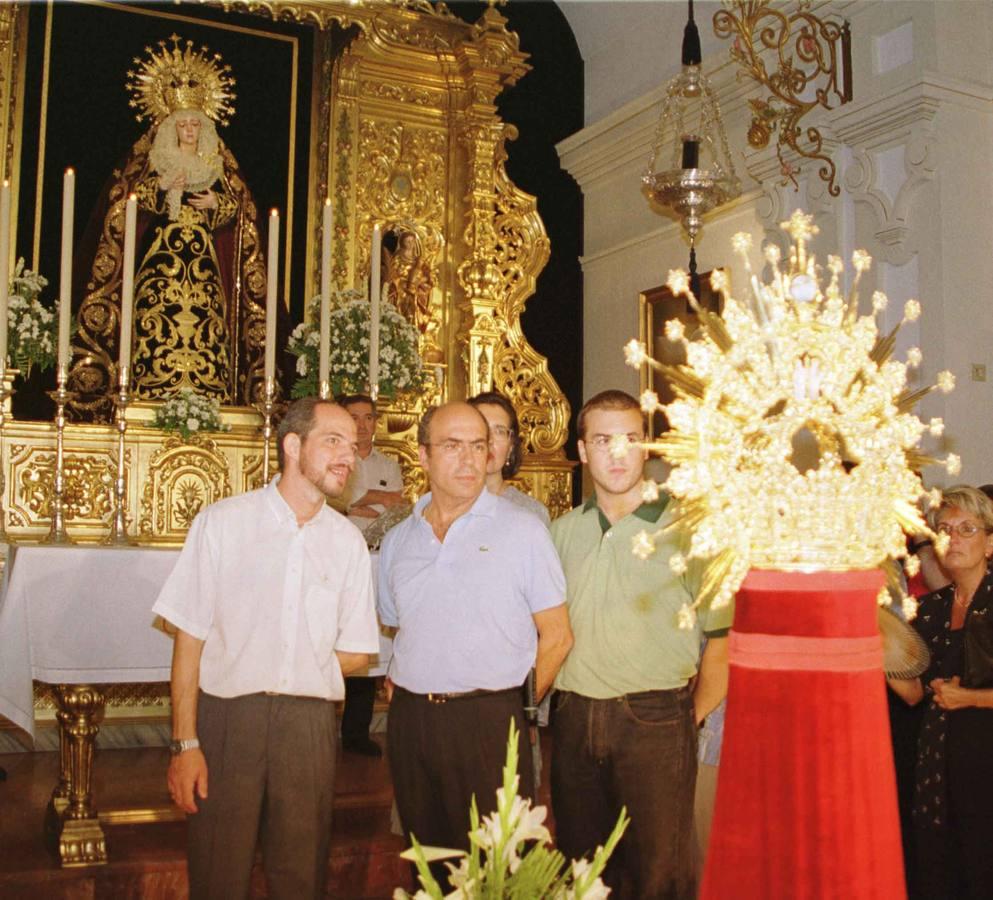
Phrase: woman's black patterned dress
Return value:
(953, 803)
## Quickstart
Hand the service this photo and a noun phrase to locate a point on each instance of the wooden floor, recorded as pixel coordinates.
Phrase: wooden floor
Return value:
(149, 860)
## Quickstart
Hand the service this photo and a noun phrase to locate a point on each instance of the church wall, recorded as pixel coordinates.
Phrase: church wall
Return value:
(916, 191)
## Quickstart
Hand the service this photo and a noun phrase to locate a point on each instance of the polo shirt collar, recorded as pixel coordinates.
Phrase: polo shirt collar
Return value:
(647, 512)
(484, 505)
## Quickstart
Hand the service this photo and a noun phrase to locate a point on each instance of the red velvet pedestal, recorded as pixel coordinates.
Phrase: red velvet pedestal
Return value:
(806, 798)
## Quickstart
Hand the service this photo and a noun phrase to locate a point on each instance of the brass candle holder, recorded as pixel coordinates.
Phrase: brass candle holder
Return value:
(266, 408)
(119, 530)
(7, 376)
(57, 533)
(324, 390)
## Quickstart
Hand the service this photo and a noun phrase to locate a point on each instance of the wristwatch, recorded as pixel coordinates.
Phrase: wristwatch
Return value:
(177, 747)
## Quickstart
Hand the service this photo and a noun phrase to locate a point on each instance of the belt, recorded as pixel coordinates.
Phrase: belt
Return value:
(444, 697)
(658, 692)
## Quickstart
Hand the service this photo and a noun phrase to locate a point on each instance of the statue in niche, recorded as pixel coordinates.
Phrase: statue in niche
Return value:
(407, 284)
(199, 269)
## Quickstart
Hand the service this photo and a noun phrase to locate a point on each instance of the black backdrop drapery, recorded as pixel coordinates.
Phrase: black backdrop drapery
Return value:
(88, 124)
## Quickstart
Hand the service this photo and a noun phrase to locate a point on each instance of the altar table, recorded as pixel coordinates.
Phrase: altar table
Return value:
(78, 617)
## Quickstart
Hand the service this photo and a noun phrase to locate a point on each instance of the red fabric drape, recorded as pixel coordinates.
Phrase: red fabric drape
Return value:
(806, 799)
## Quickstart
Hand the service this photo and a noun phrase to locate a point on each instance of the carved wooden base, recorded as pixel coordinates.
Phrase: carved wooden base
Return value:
(82, 843)
(71, 817)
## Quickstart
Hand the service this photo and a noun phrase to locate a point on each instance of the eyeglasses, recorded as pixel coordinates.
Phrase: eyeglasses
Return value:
(500, 431)
(454, 448)
(603, 442)
(963, 529)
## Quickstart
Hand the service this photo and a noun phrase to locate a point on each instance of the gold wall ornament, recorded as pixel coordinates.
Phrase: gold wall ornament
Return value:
(411, 138)
(812, 59)
(88, 495)
(793, 362)
(519, 371)
(182, 478)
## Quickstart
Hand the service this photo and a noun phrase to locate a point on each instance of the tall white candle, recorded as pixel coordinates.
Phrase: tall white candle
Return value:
(127, 283)
(374, 297)
(65, 271)
(272, 263)
(4, 270)
(323, 368)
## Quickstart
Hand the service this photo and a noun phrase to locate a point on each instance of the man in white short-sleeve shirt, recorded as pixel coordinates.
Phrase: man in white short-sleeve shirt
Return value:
(272, 598)
(375, 486)
(377, 482)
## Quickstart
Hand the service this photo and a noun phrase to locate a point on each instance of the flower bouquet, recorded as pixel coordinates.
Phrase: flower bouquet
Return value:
(189, 413)
(31, 325)
(511, 854)
(400, 366)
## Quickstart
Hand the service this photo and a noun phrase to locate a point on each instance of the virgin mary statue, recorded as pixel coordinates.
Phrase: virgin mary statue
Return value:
(199, 319)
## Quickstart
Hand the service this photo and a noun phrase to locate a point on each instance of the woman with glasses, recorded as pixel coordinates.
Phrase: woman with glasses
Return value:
(953, 801)
(505, 451)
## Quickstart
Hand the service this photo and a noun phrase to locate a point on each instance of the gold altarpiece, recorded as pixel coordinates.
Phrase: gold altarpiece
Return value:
(407, 136)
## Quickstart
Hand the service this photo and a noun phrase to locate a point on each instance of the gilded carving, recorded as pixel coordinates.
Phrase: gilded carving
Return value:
(410, 33)
(402, 93)
(522, 250)
(251, 470)
(130, 695)
(343, 189)
(182, 479)
(390, 147)
(88, 495)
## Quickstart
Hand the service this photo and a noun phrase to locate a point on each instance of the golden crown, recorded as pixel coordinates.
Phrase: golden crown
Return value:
(180, 77)
(794, 361)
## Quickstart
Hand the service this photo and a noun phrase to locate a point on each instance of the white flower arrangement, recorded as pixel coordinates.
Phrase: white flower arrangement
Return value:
(400, 366)
(189, 413)
(498, 867)
(31, 326)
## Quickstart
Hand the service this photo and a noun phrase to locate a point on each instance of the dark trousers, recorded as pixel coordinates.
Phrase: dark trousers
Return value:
(360, 697)
(270, 775)
(639, 752)
(441, 754)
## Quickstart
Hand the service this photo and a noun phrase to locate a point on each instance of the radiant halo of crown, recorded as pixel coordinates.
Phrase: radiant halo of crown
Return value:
(795, 361)
(180, 77)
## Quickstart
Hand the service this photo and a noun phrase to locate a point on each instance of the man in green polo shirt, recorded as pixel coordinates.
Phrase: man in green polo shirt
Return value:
(634, 689)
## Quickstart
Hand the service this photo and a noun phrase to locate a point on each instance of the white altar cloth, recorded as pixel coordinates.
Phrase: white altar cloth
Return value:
(83, 615)
(79, 615)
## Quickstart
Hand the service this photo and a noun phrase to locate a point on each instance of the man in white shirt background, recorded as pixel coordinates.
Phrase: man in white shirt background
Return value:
(377, 483)
(272, 598)
(375, 486)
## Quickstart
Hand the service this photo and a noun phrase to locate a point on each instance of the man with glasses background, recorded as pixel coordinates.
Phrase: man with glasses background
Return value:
(474, 587)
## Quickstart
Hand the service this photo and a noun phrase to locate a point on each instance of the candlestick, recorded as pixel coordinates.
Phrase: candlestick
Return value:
(57, 532)
(65, 272)
(119, 530)
(127, 283)
(272, 262)
(266, 407)
(4, 273)
(324, 366)
(374, 297)
(6, 391)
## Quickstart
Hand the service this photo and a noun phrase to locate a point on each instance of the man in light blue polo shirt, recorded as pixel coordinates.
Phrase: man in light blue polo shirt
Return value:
(474, 586)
